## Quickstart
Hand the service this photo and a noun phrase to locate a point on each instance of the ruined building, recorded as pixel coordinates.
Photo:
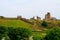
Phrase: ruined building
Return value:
(1, 17)
(32, 19)
(53, 18)
(38, 18)
(48, 16)
(19, 17)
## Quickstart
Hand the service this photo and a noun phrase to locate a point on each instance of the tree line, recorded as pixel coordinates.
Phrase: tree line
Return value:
(12, 33)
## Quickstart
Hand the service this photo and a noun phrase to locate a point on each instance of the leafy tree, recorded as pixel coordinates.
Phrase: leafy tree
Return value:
(19, 33)
(24, 32)
(12, 33)
(44, 23)
(3, 31)
(53, 34)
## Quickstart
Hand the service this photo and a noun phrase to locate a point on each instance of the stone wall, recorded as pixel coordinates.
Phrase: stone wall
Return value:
(1, 17)
(38, 18)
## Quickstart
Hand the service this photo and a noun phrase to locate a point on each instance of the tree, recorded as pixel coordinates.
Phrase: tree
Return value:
(53, 34)
(3, 31)
(12, 33)
(44, 23)
(19, 33)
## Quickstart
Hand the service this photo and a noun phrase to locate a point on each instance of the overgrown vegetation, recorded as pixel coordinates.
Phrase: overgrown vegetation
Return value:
(15, 33)
(21, 30)
(39, 35)
(44, 24)
(3, 31)
(14, 23)
(53, 34)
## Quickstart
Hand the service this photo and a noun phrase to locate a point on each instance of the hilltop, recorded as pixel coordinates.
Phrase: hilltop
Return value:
(35, 24)
(14, 23)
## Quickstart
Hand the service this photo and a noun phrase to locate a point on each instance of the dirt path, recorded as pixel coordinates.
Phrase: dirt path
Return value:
(31, 38)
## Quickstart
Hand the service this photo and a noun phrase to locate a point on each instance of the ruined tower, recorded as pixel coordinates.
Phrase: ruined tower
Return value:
(48, 16)
(19, 17)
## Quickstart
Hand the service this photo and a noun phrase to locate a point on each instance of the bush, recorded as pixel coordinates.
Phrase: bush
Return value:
(53, 34)
(11, 33)
(24, 32)
(44, 23)
(19, 33)
(3, 32)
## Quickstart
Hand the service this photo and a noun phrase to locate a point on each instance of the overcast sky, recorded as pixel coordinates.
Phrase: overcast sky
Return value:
(29, 8)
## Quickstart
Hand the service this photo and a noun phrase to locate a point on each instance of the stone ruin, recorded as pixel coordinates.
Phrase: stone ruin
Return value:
(19, 17)
(48, 16)
(32, 19)
(1, 17)
(38, 18)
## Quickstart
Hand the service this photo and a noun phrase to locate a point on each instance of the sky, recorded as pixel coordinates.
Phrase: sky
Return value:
(29, 8)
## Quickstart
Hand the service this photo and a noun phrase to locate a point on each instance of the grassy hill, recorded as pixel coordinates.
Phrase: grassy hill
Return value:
(14, 23)
(20, 23)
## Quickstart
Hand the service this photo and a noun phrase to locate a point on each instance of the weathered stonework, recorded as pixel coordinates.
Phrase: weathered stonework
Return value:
(48, 17)
(1, 17)
(38, 18)
(32, 19)
(19, 17)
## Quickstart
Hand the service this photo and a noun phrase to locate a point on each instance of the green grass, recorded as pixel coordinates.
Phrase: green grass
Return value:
(14, 23)
(39, 35)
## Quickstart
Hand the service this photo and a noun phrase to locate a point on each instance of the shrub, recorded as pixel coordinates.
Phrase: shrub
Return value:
(3, 32)
(12, 33)
(53, 34)
(44, 23)
(19, 33)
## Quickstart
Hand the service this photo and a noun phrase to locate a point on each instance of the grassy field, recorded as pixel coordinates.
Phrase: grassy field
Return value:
(39, 35)
(14, 23)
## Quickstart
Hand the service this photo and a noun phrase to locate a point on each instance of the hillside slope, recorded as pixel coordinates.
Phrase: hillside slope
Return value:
(14, 23)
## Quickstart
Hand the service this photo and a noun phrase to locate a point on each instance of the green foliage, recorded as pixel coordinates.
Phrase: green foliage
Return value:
(24, 32)
(14, 23)
(12, 33)
(3, 31)
(44, 23)
(38, 38)
(53, 34)
(19, 33)
(39, 35)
